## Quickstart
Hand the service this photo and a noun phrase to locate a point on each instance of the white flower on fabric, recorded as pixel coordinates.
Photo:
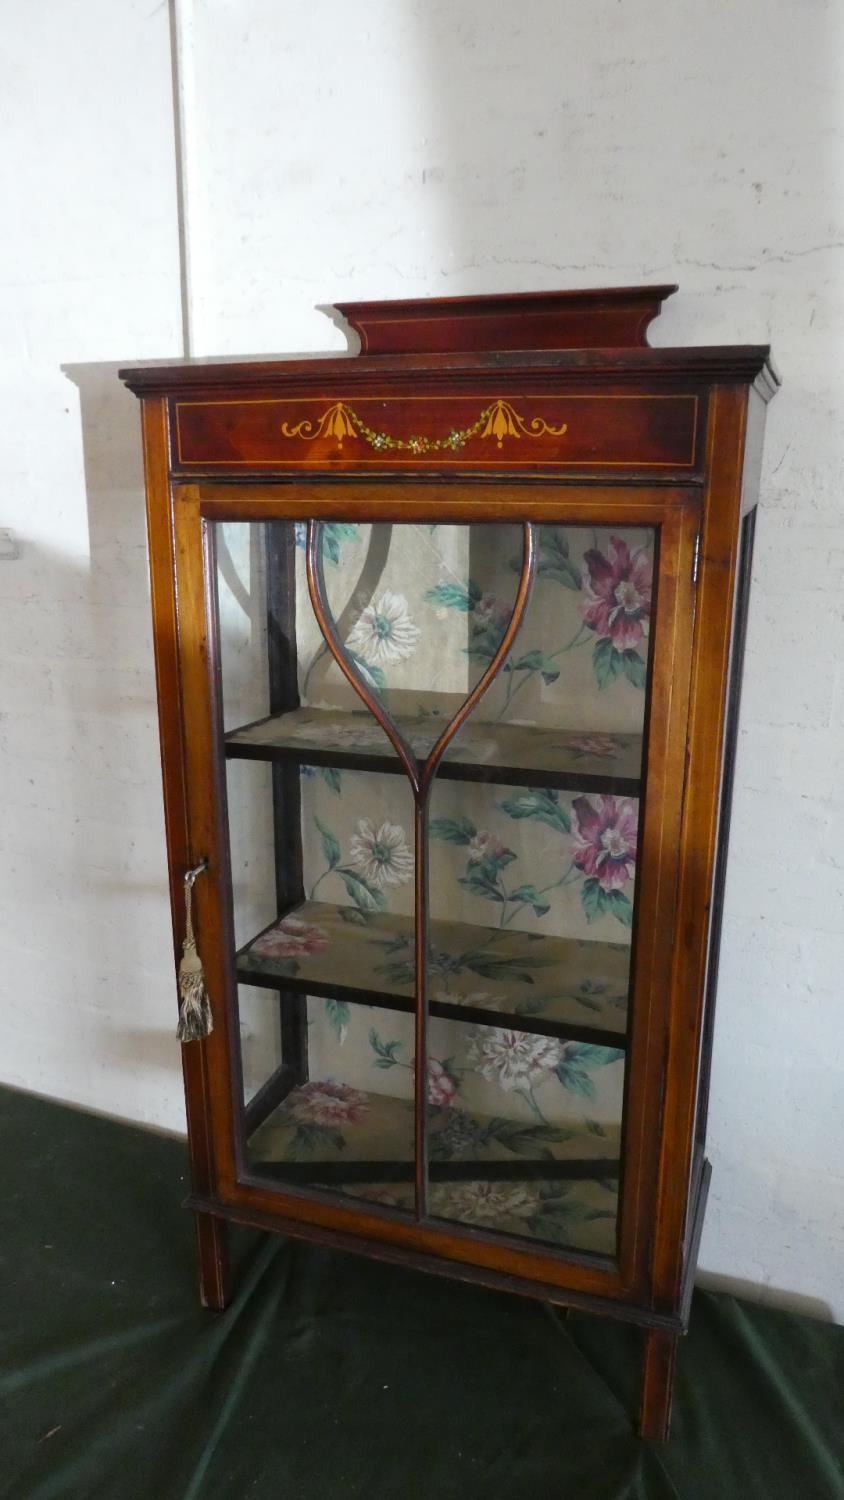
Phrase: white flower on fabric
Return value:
(384, 632)
(381, 854)
(513, 1059)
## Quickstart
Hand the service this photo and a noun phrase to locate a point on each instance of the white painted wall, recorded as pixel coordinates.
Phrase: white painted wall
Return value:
(89, 276)
(394, 148)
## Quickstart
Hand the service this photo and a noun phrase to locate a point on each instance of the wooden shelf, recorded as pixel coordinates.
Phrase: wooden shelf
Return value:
(562, 987)
(563, 1190)
(513, 754)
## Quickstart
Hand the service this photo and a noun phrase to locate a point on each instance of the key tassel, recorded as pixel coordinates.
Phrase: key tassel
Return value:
(194, 1008)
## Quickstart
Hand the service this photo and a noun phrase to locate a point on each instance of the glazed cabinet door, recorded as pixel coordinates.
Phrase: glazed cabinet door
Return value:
(434, 744)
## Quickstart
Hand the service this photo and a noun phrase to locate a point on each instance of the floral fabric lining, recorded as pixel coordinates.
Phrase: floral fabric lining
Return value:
(532, 887)
(323, 1122)
(480, 743)
(520, 973)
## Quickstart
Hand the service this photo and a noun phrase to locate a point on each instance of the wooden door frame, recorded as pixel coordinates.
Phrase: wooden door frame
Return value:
(185, 650)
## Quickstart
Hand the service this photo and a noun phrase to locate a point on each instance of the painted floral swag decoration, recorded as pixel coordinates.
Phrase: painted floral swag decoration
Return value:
(523, 859)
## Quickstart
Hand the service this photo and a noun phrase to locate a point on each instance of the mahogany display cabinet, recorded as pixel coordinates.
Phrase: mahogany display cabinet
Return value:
(448, 641)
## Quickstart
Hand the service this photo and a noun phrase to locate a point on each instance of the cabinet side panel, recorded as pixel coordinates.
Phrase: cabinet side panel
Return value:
(717, 582)
(171, 733)
(748, 528)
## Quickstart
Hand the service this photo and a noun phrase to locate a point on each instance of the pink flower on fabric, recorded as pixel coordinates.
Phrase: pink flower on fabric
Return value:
(328, 1104)
(605, 839)
(618, 593)
(594, 744)
(441, 1086)
(484, 845)
(490, 612)
(291, 938)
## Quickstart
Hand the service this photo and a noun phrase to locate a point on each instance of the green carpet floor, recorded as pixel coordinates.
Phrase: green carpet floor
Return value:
(330, 1377)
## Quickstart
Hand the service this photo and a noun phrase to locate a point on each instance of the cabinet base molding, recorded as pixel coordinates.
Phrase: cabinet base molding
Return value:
(642, 1317)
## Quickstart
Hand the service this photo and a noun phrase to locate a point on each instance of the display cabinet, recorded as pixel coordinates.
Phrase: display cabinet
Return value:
(448, 644)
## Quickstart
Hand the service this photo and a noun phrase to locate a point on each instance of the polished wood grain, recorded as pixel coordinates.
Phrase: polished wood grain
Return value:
(616, 430)
(713, 634)
(731, 727)
(522, 371)
(210, 1233)
(604, 318)
(657, 1384)
(674, 512)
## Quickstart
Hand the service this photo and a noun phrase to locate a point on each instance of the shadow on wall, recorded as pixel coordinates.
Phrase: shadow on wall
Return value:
(767, 1296)
(111, 761)
(122, 860)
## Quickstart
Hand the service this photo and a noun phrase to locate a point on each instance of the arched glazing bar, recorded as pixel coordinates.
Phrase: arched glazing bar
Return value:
(420, 774)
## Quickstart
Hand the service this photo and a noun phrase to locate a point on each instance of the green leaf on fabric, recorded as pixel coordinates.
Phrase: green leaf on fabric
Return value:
(365, 896)
(337, 1013)
(458, 596)
(331, 777)
(289, 966)
(330, 846)
(531, 897)
(537, 661)
(480, 884)
(634, 668)
(372, 676)
(564, 573)
(620, 906)
(452, 830)
(588, 1003)
(398, 943)
(496, 860)
(553, 540)
(330, 548)
(593, 898)
(354, 917)
(526, 1140)
(398, 971)
(587, 1055)
(309, 1138)
(575, 1080)
(539, 803)
(608, 663)
(519, 967)
(333, 534)
(554, 561)
(566, 1212)
(385, 1051)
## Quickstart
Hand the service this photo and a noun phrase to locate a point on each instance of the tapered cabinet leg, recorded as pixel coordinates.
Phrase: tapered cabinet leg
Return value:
(212, 1250)
(657, 1385)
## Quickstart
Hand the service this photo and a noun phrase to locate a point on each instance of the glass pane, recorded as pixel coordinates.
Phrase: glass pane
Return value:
(512, 1144)
(533, 833)
(313, 865)
(540, 868)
